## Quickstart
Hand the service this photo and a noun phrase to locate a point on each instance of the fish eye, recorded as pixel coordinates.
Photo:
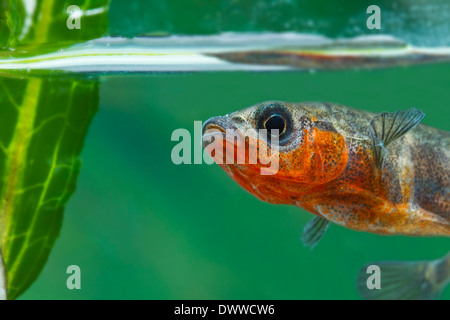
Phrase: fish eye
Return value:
(275, 122)
(275, 116)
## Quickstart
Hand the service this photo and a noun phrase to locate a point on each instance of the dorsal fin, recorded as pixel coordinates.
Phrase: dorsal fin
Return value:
(314, 231)
(387, 127)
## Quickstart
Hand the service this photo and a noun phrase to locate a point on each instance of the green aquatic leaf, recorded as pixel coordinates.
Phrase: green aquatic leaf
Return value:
(44, 122)
(4, 30)
(15, 16)
(37, 26)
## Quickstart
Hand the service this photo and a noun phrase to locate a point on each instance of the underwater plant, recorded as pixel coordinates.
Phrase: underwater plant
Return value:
(43, 123)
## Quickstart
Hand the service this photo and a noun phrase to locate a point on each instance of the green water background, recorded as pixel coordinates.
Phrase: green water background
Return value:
(141, 227)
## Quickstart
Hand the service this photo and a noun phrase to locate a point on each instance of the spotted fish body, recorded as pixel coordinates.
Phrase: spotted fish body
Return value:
(328, 166)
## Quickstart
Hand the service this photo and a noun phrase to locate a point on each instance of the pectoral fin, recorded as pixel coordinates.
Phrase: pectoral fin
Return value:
(387, 127)
(314, 231)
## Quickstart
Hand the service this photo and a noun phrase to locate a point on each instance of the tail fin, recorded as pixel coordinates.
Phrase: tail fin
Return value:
(422, 280)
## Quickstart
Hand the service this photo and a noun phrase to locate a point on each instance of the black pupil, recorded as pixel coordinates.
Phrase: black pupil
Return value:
(275, 122)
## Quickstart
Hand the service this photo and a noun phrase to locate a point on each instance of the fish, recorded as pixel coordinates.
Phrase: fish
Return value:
(384, 173)
(333, 59)
(406, 280)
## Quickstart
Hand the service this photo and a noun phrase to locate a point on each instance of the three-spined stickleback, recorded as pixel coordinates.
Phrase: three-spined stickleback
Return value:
(381, 173)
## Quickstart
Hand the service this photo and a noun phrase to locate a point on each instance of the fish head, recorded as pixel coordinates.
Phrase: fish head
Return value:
(276, 150)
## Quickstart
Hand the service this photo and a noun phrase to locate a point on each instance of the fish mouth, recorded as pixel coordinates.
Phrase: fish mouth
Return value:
(216, 127)
(219, 123)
